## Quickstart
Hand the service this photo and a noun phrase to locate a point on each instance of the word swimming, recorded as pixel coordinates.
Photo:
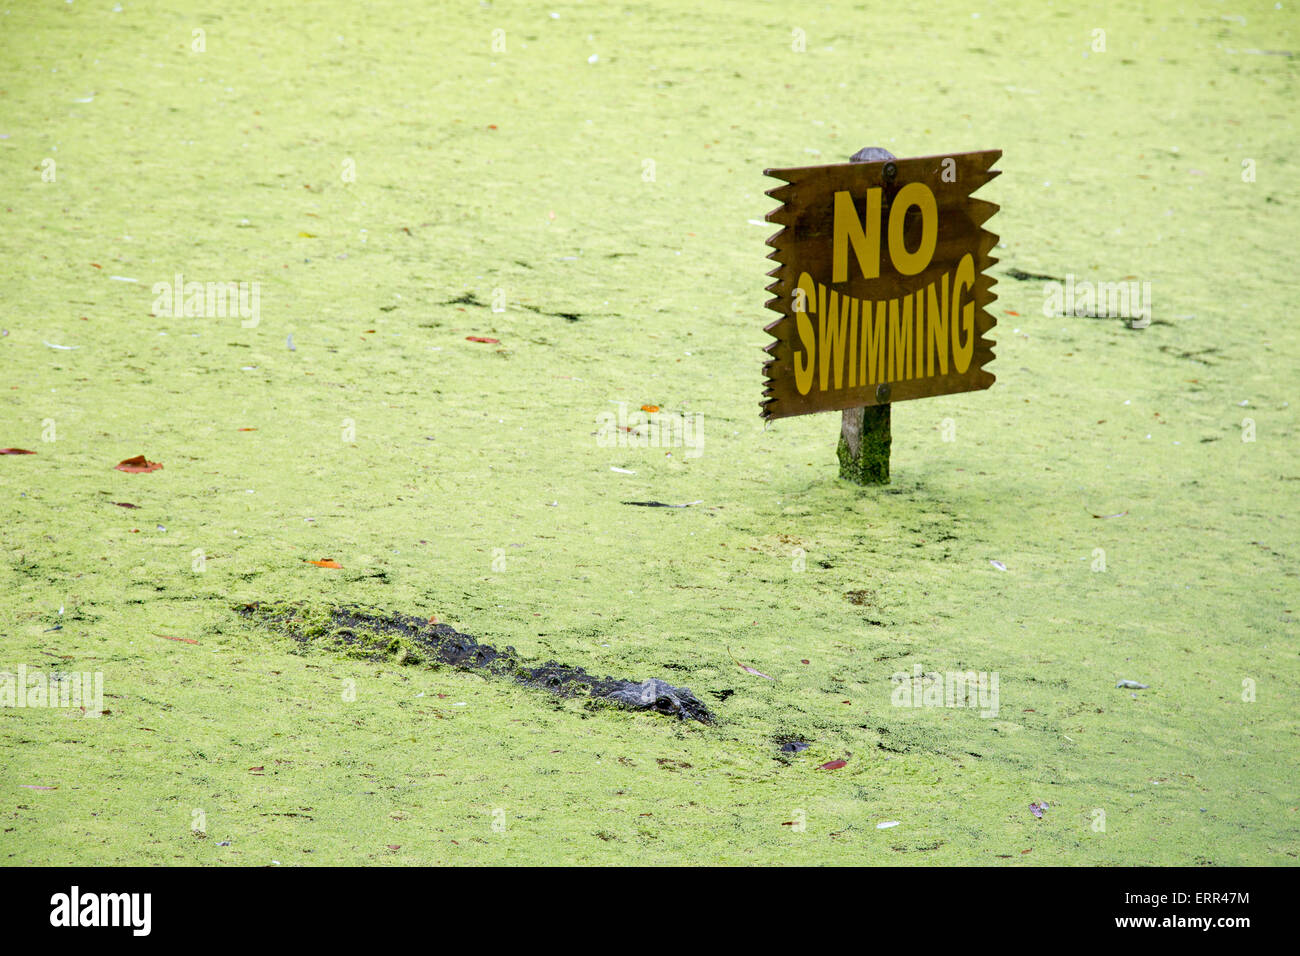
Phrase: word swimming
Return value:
(857, 342)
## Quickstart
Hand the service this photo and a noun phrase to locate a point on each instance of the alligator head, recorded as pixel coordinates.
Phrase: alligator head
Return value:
(662, 698)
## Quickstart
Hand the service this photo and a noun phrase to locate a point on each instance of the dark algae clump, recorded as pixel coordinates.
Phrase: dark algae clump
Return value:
(358, 632)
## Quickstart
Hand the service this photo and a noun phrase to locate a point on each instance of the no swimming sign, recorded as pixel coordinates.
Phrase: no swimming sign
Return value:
(881, 283)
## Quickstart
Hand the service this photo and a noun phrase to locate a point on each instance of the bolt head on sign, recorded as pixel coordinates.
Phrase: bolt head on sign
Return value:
(881, 283)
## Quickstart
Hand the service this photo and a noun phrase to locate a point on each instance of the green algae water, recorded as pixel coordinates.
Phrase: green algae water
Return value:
(367, 281)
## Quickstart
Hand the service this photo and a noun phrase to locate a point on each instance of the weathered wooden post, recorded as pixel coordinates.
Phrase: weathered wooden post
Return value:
(864, 431)
(882, 287)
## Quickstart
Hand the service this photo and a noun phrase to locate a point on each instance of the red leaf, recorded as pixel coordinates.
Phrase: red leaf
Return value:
(327, 563)
(137, 464)
(834, 765)
(16, 451)
(168, 637)
(125, 504)
(480, 338)
(747, 669)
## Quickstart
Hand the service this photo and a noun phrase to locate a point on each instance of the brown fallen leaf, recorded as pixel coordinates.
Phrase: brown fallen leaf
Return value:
(327, 563)
(257, 770)
(747, 669)
(137, 465)
(125, 504)
(481, 338)
(184, 640)
(16, 451)
(834, 765)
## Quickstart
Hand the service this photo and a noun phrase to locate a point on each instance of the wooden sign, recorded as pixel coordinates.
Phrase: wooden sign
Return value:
(881, 284)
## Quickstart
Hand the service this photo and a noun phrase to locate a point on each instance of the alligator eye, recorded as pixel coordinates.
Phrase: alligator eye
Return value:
(664, 703)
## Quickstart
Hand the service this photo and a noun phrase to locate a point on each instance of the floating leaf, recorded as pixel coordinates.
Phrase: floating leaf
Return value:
(998, 564)
(747, 669)
(327, 563)
(834, 765)
(16, 451)
(137, 464)
(650, 408)
(183, 640)
(481, 338)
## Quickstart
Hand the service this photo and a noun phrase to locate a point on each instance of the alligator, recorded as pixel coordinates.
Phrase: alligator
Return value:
(414, 640)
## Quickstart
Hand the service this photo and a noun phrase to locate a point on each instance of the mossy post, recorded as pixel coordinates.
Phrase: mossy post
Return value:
(864, 431)
(864, 445)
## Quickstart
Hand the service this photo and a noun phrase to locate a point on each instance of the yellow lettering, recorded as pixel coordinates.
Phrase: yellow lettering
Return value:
(834, 325)
(853, 338)
(938, 316)
(803, 362)
(963, 279)
(918, 336)
(900, 339)
(920, 196)
(865, 237)
(873, 344)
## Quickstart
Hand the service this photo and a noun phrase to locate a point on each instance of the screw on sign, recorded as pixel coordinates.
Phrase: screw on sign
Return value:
(883, 292)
